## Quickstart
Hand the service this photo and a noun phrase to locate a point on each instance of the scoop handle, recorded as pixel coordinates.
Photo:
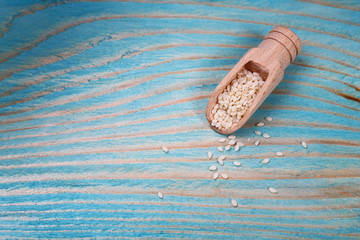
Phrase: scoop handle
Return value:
(281, 43)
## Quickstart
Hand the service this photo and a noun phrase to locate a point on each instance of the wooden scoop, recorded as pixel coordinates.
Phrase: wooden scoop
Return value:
(278, 49)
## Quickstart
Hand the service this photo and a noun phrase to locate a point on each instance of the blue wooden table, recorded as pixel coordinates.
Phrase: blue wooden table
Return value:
(91, 90)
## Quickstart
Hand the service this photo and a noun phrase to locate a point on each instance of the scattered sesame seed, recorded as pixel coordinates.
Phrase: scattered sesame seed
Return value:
(220, 149)
(240, 144)
(269, 119)
(165, 149)
(304, 144)
(257, 142)
(231, 137)
(213, 168)
(234, 203)
(227, 147)
(279, 154)
(220, 161)
(210, 155)
(224, 176)
(160, 195)
(249, 139)
(232, 142)
(222, 140)
(265, 160)
(237, 148)
(273, 190)
(257, 133)
(216, 175)
(266, 135)
(260, 124)
(237, 163)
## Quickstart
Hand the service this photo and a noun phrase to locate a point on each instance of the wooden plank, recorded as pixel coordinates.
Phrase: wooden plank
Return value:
(91, 90)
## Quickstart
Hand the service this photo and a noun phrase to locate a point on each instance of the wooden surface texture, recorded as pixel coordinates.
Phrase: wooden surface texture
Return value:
(91, 90)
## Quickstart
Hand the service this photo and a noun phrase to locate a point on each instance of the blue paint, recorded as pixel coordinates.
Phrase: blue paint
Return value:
(80, 147)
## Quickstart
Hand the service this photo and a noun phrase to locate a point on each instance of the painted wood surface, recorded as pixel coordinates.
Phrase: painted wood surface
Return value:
(91, 90)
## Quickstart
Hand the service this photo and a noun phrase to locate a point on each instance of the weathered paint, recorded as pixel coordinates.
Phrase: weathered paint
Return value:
(91, 90)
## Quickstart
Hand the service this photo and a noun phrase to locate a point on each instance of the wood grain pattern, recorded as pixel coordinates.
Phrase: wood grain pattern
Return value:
(91, 90)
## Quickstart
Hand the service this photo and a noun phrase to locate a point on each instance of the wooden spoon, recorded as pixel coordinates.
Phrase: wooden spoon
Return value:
(278, 49)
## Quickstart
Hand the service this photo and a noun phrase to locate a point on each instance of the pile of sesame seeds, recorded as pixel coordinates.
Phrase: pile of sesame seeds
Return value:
(226, 144)
(236, 98)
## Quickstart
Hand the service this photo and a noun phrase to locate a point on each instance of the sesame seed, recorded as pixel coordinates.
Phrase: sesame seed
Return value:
(257, 133)
(224, 176)
(257, 142)
(269, 119)
(222, 140)
(232, 142)
(160, 195)
(266, 135)
(236, 163)
(227, 148)
(210, 155)
(165, 149)
(265, 160)
(232, 137)
(220, 149)
(304, 144)
(260, 124)
(222, 157)
(213, 168)
(234, 203)
(273, 190)
(249, 139)
(235, 99)
(279, 154)
(240, 144)
(216, 175)
(237, 148)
